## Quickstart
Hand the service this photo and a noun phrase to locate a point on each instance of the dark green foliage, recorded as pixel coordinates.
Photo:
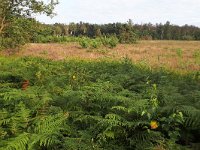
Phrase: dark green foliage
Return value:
(54, 39)
(15, 25)
(130, 32)
(95, 43)
(23, 30)
(15, 35)
(127, 35)
(96, 105)
(188, 38)
(109, 42)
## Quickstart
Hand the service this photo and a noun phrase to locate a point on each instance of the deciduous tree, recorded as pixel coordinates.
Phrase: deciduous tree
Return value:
(10, 10)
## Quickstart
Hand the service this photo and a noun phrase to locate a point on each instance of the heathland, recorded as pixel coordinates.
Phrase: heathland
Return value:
(68, 96)
(96, 87)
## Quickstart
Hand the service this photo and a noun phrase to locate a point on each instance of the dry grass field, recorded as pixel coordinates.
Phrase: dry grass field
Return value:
(175, 55)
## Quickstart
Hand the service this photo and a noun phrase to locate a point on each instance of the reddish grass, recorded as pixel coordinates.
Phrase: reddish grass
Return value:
(154, 53)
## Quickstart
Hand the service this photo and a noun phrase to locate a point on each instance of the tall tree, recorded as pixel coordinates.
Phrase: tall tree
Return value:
(10, 9)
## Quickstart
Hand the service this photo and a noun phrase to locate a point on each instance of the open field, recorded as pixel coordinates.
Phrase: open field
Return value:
(175, 55)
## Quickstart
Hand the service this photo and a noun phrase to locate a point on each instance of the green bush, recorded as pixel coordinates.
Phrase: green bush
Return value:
(17, 33)
(72, 39)
(95, 43)
(84, 42)
(89, 43)
(188, 38)
(12, 43)
(128, 37)
(54, 39)
(15, 37)
(113, 41)
(110, 42)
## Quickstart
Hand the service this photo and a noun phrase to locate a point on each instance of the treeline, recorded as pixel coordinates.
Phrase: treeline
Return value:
(148, 31)
(17, 27)
(24, 30)
(167, 31)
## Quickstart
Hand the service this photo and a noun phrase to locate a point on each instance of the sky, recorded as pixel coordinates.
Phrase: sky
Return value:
(179, 12)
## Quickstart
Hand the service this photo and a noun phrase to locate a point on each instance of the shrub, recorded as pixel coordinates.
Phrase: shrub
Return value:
(113, 41)
(89, 43)
(95, 43)
(128, 37)
(84, 42)
(188, 37)
(110, 42)
(17, 33)
(72, 39)
(37, 38)
(14, 37)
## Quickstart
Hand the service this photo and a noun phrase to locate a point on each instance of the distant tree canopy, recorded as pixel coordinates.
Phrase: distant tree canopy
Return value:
(130, 30)
(167, 31)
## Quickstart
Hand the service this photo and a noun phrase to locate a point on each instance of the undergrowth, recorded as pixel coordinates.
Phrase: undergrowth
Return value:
(96, 105)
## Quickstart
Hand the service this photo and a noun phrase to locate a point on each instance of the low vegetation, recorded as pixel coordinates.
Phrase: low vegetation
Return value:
(109, 42)
(96, 105)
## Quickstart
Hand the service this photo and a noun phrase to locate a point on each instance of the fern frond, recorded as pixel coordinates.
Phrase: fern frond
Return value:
(17, 143)
(50, 123)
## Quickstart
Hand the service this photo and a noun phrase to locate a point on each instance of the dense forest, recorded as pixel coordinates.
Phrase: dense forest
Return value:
(147, 31)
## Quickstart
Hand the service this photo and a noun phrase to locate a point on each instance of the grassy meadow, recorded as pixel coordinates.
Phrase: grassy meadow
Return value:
(134, 96)
(173, 55)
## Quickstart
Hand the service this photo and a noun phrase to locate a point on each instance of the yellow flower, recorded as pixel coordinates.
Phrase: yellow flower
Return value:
(154, 124)
(74, 77)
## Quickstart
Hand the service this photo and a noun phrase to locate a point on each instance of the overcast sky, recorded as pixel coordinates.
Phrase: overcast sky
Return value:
(140, 11)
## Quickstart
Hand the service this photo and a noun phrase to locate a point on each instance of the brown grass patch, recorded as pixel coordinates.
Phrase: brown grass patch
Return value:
(178, 55)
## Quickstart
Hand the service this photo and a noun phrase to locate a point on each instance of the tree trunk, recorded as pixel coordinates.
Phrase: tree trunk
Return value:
(2, 24)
